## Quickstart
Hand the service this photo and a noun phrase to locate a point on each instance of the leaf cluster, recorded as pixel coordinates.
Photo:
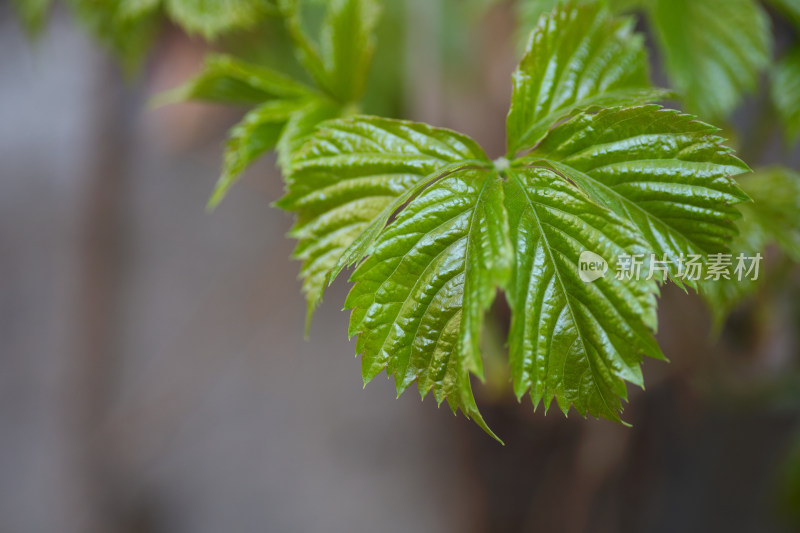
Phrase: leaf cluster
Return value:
(436, 229)
(286, 109)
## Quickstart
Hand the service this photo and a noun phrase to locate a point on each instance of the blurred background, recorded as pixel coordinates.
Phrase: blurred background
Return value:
(153, 372)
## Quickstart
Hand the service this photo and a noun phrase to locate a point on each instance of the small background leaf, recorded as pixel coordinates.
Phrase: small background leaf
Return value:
(228, 80)
(772, 218)
(713, 50)
(348, 43)
(785, 92)
(210, 18)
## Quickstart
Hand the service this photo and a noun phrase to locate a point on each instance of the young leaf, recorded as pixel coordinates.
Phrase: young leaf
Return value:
(289, 111)
(442, 228)
(305, 49)
(772, 218)
(228, 80)
(529, 11)
(578, 58)
(348, 43)
(347, 46)
(292, 110)
(350, 174)
(776, 197)
(713, 49)
(303, 123)
(211, 18)
(259, 131)
(574, 340)
(280, 124)
(137, 8)
(664, 171)
(785, 92)
(418, 300)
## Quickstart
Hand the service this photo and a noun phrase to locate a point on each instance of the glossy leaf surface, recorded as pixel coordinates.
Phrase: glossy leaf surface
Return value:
(665, 172)
(438, 229)
(570, 339)
(577, 58)
(418, 300)
(259, 131)
(351, 174)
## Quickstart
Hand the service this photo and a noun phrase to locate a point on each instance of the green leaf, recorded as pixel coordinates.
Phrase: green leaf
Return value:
(776, 197)
(348, 43)
(213, 17)
(259, 131)
(225, 79)
(785, 92)
(288, 112)
(772, 218)
(131, 9)
(303, 123)
(438, 229)
(418, 300)
(347, 46)
(578, 58)
(665, 172)
(349, 174)
(713, 49)
(529, 11)
(281, 124)
(305, 49)
(573, 340)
